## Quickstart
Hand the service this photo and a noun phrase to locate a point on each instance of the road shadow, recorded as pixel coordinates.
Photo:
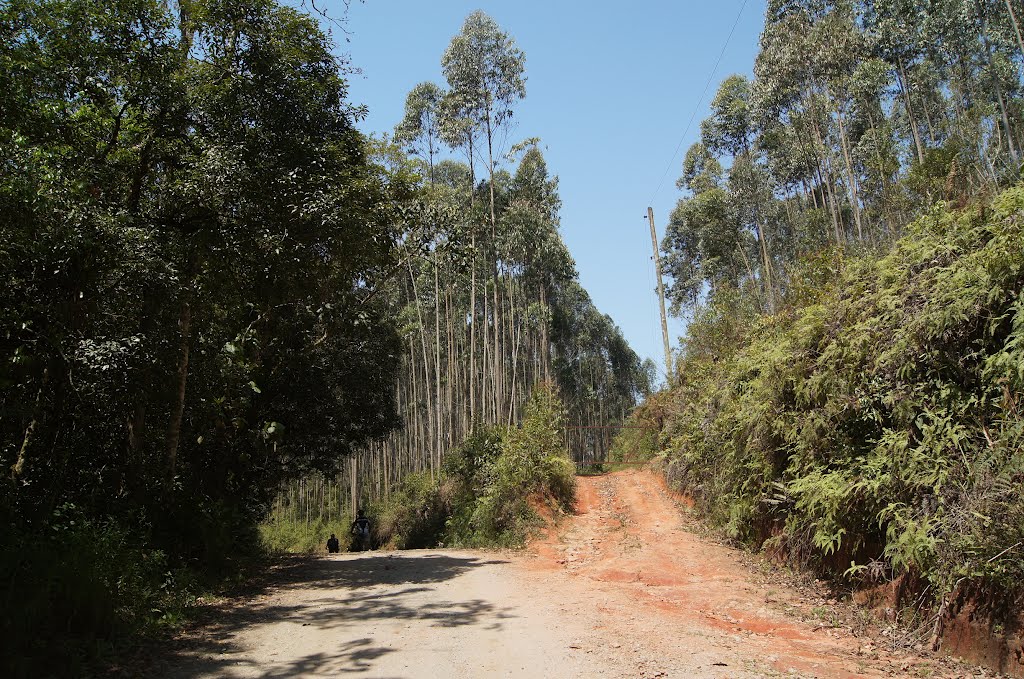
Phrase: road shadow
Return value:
(374, 568)
(329, 594)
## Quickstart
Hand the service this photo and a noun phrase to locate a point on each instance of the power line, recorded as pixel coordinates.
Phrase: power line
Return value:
(700, 101)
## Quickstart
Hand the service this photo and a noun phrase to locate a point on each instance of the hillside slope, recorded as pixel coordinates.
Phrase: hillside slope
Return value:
(871, 428)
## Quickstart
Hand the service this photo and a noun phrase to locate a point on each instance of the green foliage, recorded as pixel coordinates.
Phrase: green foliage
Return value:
(639, 440)
(413, 516)
(877, 419)
(79, 586)
(532, 468)
(193, 233)
(490, 488)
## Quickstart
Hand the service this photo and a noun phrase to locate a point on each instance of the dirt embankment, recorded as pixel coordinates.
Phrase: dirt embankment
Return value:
(644, 561)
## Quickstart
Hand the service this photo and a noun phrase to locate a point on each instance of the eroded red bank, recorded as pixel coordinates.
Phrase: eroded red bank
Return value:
(630, 537)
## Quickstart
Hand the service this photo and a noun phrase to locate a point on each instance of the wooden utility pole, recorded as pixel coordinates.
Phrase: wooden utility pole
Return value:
(661, 297)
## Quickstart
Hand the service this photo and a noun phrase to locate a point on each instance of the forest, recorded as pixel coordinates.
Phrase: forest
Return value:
(848, 252)
(488, 251)
(219, 294)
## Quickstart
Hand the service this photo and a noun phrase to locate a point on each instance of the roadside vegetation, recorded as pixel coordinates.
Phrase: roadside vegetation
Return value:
(491, 491)
(849, 256)
(872, 426)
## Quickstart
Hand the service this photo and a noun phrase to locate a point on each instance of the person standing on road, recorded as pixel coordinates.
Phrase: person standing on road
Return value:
(361, 529)
(332, 545)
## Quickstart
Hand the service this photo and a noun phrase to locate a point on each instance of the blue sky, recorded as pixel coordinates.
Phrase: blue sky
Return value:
(610, 88)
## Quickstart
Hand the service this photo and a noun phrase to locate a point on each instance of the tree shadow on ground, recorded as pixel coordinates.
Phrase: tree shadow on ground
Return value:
(329, 594)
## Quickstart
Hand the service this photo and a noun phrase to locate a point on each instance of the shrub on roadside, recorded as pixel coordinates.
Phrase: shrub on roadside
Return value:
(74, 588)
(412, 517)
(878, 420)
(532, 467)
(639, 439)
(488, 488)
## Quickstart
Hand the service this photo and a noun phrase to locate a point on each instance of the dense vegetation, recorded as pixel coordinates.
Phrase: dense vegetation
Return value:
(488, 303)
(192, 235)
(215, 287)
(490, 491)
(849, 388)
(873, 426)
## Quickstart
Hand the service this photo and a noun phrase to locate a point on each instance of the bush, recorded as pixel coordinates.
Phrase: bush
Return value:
(877, 420)
(639, 440)
(413, 517)
(489, 488)
(532, 467)
(75, 587)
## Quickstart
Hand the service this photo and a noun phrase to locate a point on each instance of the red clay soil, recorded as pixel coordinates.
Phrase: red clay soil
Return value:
(653, 584)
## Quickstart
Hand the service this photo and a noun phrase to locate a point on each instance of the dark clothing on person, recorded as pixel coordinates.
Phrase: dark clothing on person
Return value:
(332, 545)
(361, 526)
(361, 530)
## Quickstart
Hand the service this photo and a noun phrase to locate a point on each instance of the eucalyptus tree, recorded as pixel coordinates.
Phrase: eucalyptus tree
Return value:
(536, 255)
(875, 147)
(730, 130)
(703, 243)
(894, 27)
(485, 74)
(420, 130)
(861, 113)
(599, 376)
(1001, 68)
(841, 48)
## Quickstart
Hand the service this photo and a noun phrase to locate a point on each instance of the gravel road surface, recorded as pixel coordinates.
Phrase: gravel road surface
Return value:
(626, 587)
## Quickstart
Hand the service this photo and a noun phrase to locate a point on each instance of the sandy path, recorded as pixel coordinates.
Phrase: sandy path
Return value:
(622, 589)
(430, 613)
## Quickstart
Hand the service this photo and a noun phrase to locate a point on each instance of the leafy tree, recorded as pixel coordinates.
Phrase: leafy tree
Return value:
(420, 129)
(194, 236)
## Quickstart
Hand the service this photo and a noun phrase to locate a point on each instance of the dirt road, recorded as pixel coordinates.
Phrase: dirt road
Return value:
(624, 588)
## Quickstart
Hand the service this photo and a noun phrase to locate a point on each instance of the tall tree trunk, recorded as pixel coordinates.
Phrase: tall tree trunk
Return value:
(485, 363)
(353, 476)
(901, 81)
(545, 348)
(173, 435)
(1016, 26)
(426, 370)
(28, 439)
(437, 363)
(998, 87)
(472, 288)
(820, 167)
(449, 380)
(472, 331)
(750, 273)
(496, 311)
(854, 193)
